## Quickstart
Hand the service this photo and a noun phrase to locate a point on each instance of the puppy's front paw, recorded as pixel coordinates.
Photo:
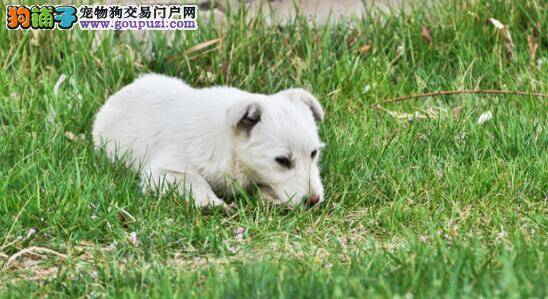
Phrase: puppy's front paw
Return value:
(212, 209)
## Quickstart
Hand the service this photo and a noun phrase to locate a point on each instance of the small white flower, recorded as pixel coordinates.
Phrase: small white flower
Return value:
(484, 117)
(423, 238)
(133, 238)
(31, 232)
(461, 137)
(240, 234)
(343, 241)
(367, 88)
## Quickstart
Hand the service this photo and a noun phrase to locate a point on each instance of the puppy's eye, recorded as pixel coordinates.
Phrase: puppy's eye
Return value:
(283, 161)
(313, 154)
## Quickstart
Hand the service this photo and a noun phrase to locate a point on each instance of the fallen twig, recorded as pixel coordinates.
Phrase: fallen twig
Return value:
(451, 92)
(430, 113)
(12, 225)
(195, 48)
(37, 251)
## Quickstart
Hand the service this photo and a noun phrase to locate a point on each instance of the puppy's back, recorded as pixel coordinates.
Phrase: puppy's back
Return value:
(128, 121)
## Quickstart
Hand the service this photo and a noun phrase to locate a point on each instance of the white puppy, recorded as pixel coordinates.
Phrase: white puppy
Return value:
(208, 141)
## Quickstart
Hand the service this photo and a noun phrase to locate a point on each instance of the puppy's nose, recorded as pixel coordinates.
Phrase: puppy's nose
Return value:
(313, 199)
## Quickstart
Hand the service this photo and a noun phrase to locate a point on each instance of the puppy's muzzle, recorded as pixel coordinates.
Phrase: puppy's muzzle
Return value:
(309, 200)
(312, 199)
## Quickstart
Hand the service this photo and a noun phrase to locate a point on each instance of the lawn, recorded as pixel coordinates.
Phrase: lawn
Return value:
(431, 203)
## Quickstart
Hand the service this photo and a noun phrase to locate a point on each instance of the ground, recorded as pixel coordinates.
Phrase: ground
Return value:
(442, 196)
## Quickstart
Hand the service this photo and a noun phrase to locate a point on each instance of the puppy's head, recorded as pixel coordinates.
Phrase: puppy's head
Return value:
(276, 141)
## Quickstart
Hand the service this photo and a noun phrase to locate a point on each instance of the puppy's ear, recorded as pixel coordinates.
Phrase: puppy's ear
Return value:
(244, 115)
(299, 94)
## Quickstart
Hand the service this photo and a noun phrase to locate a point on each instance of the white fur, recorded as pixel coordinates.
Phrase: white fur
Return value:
(193, 138)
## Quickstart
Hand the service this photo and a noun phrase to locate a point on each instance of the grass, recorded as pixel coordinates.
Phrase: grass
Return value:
(438, 207)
